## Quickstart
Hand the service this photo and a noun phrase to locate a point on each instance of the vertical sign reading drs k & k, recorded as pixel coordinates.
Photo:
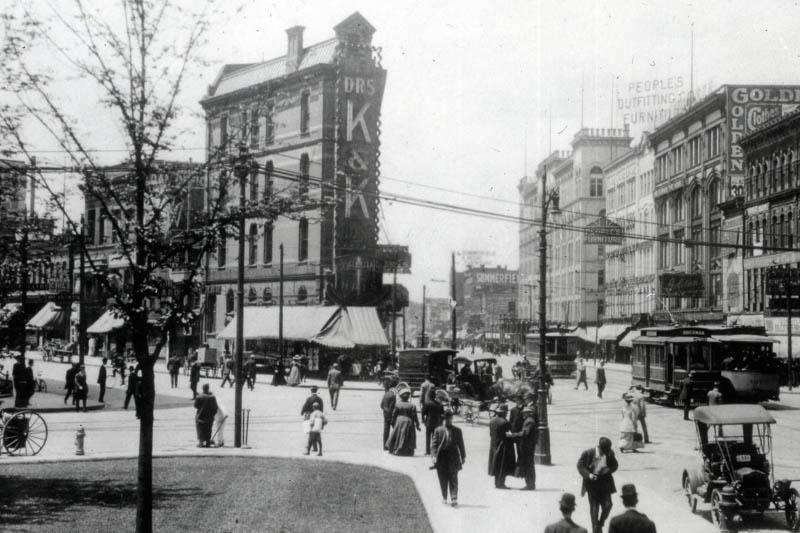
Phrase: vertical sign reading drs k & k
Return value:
(360, 93)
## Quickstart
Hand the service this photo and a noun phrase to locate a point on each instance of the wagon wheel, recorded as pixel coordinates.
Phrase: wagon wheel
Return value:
(689, 493)
(717, 516)
(24, 433)
(791, 511)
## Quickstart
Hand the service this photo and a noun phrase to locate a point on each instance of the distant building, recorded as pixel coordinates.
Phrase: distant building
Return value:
(489, 297)
(311, 118)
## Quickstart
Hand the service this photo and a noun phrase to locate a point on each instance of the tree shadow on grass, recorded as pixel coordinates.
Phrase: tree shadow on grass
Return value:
(39, 501)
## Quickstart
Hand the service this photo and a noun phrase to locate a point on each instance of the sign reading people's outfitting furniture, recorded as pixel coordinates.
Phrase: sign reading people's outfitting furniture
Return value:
(681, 284)
(603, 231)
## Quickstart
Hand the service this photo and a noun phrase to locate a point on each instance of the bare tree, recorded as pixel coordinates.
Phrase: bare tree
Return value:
(137, 55)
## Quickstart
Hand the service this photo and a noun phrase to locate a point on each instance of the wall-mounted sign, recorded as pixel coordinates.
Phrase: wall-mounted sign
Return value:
(782, 281)
(395, 256)
(603, 231)
(681, 284)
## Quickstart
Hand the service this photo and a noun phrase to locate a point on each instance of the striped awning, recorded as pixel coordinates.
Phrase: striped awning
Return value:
(351, 327)
(106, 323)
(50, 316)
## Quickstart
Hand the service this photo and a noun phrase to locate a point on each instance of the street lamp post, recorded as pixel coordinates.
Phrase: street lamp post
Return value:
(243, 166)
(542, 455)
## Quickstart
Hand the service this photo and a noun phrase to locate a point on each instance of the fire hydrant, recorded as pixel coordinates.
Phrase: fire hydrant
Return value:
(79, 436)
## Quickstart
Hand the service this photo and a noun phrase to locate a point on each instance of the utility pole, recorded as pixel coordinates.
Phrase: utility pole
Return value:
(453, 297)
(82, 348)
(280, 379)
(422, 342)
(542, 454)
(394, 310)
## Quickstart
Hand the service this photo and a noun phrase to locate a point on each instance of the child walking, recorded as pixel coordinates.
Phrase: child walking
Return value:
(316, 421)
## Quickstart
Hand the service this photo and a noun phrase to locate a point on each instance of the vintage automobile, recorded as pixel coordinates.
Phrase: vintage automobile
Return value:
(735, 475)
(415, 365)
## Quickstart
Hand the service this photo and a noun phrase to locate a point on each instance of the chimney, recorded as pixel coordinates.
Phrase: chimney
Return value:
(295, 48)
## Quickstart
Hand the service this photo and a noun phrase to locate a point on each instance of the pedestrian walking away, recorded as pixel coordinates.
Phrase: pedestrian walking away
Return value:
(640, 406)
(600, 378)
(219, 424)
(335, 383)
(130, 392)
(449, 456)
(581, 369)
(250, 372)
(629, 439)
(405, 424)
(316, 422)
(631, 521)
(174, 367)
(502, 460)
(81, 388)
(597, 466)
(433, 418)
(194, 378)
(309, 403)
(69, 382)
(101, 381)
(387, 407)
(566, 525)
(526, 442)
(227, 372)
(206, 409)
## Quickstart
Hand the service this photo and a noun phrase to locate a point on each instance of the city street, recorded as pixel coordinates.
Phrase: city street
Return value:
(577, 420)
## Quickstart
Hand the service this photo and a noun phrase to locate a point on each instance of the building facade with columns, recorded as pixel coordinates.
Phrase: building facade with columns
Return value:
(311, 120)
(576, 269)
(699, 167)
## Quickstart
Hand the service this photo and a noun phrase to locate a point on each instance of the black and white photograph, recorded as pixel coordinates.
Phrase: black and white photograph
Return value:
(295, 266)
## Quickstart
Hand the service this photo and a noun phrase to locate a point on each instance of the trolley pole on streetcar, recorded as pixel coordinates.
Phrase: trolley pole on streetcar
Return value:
(542, 454)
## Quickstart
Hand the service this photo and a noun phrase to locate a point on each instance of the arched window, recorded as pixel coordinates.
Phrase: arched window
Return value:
(714, 196)
(252, 241)
(266, 295)
(304, 169)
(252, 295)
(269, 169)
(267, 244)
(302, 294)
(596, 182)
(302, 245)
(253, 177)
(221, 252)
(230, 301)
(305, 114)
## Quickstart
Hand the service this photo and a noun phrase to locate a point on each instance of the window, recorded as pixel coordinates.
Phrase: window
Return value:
(712, 142)
(305, 116)
(663, 254)
(254, 129)
(221, 252)
(601, 277)
(252, 242)
(714, 237)
(694, 152)
(302, 294)
(696, 202)
(596, 182)
(91, 220)
(223, 133)
(678, 249)
(714, 194)
(211, 317)
(268, 171)
(253, 186)
(269, 125)
(789, 235)
(302, 245)
(303, 184)
(252, 295)
(267, 244)
(266, 295)
(230, 301)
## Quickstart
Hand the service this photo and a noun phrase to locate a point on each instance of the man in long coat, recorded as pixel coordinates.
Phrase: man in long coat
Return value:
(600, 378)
(526, 447)
(449, 455)
(206, 406)
(21, 384)
(502, 460)
(387, 407)
(597, 466)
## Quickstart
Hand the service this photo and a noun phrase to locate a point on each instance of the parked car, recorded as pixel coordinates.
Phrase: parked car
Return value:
(734, 474)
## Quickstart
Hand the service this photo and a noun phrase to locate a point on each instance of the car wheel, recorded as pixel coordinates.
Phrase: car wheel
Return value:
(717, 516)
(791, 512)
(689, 493)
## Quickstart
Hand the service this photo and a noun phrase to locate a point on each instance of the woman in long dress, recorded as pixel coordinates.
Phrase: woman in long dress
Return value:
(294, 374)
(627, 427)
(405, 424)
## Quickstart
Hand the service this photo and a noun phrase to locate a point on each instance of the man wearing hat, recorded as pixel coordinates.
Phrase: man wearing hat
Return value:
(449, 454)
(206, 406)
(565, 525)
(597, 466)
(502, 460)
(308, 405)
(525, 439)
(631, 521)
(335, 383)
(21, 385)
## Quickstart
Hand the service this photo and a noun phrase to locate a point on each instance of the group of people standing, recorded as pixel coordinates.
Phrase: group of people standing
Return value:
(512, 443)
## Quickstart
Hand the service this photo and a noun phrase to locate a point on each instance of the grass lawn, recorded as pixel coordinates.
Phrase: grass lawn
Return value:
(226, 494)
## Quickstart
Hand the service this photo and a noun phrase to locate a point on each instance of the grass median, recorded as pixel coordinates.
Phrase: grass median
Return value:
(233, 494)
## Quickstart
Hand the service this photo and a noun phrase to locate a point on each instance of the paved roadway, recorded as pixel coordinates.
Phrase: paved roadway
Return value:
(577, 420)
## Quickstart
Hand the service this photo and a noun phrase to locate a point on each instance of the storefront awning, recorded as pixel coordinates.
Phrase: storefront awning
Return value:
(106, 323)
(300, 322)
(352, 326)
(612, 332)
(627, 340)
(50, 316)
(588, 333)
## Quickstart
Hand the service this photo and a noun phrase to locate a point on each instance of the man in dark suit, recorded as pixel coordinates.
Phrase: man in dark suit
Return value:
(387, 407)
(631, 521)
(194, 377)
(565, 525)
(600, 378)
(526, 447)
(101, 381)
(335, 383)
(502, 460)
(309, 403)
(597, 466)
(206, 406)
(449, 455)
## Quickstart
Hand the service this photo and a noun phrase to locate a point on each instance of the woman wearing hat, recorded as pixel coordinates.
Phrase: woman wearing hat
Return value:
(405, 423)
(627, 426)
(294, 373)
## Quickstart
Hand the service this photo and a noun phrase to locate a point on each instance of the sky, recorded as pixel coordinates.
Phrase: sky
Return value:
(478, 92)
